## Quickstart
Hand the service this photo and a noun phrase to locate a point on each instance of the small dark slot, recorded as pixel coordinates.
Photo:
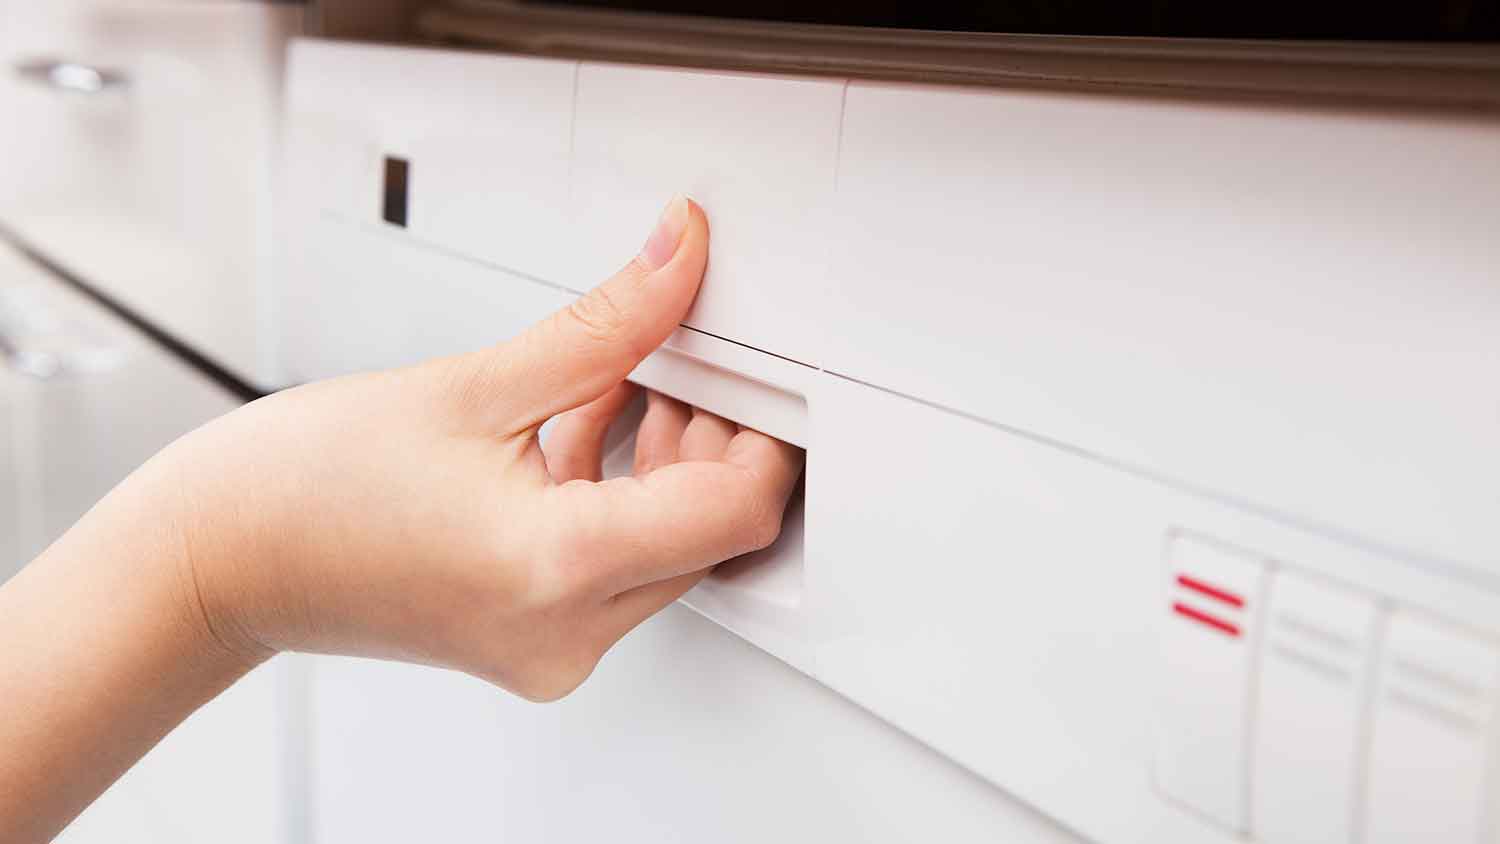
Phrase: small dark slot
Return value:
(394, 209)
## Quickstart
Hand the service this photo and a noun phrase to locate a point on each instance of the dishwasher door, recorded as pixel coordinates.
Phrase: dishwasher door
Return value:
(85, 401)
(684, 733)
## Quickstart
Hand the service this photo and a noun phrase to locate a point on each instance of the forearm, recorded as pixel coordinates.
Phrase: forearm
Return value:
(106, 651)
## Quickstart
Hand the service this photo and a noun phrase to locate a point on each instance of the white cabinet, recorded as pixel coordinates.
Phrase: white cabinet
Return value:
(14, 486)
(89, 398)
(72, 145)
(86, 400)
(155, 183)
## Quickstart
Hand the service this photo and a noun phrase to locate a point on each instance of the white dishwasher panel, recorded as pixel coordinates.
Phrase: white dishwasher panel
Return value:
(684, 733)
(1035, 335)
(1290, 305)
(359, 297)
(486, 139)
(757, 152)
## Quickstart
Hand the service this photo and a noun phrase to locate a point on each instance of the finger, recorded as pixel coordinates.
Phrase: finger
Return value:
(679, 518)
(707, 437)
(660, 434)
(752, 448)
(582, 351)
(575, 448)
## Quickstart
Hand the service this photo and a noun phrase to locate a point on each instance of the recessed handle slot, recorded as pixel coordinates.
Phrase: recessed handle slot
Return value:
(760, 595)
(738, 398)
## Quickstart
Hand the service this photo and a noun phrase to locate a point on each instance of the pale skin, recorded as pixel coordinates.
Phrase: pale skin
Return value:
(410, 514)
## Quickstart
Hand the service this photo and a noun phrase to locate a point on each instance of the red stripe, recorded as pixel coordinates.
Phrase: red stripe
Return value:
(1208, 589)
(1204, 618)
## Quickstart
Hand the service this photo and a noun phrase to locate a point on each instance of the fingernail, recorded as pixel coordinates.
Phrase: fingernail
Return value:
(662, 244)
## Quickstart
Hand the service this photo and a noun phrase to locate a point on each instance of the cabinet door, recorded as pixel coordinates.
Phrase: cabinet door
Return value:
(70, 134)
(12, 482)
(142, 153)
(684, 733)
(86, 401)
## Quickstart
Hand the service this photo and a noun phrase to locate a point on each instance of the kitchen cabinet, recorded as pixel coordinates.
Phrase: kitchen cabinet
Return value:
(144, 135)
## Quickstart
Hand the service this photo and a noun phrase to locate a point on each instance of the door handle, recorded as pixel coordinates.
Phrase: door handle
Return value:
(727, 393)
(36, 344)
(72, 77)
(759, 596)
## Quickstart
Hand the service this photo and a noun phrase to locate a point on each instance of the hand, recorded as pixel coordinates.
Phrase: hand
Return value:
(414, 514)
(410, 514)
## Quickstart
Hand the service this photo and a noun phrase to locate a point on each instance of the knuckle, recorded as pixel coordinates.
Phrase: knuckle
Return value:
(763, 524)
(767, 530)
(598, 315)
(567, 559)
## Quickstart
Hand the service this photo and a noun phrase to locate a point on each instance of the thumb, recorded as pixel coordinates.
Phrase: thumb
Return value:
(584, 350)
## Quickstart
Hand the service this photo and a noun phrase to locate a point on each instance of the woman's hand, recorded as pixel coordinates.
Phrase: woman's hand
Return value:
(410, 514)
(415, 515)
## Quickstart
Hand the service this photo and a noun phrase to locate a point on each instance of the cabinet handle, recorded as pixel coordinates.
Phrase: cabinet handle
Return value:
(34, 344)
(72, 77)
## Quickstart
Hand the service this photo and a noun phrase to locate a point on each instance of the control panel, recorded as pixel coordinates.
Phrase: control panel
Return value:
(1296, 709)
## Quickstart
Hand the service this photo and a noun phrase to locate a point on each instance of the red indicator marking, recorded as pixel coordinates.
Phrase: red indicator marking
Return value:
(1209, 590)
(1204, 618)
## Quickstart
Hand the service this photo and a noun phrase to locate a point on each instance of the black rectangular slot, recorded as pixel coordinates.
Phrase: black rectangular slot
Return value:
(393, 209)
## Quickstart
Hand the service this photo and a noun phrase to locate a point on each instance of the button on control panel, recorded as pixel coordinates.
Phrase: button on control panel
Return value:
(1207, 644)
(1292, 709)
(1315, 673)
(1432, 737)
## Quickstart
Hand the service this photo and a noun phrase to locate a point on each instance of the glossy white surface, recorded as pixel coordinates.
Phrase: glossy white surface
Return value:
(685, 733)
(1257, 300)
(16, 488)
(71, 143)
(158, 191)
(1311, 712)
(731, 392)
(360, 297)
(487, 138)
(1433, 746)
(1063, 342)
(759, 152)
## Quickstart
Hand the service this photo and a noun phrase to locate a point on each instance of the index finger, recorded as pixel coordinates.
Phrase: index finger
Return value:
(629, 531)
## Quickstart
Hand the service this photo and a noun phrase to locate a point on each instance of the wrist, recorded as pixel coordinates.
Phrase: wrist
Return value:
(109, 612)
(203, 554)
